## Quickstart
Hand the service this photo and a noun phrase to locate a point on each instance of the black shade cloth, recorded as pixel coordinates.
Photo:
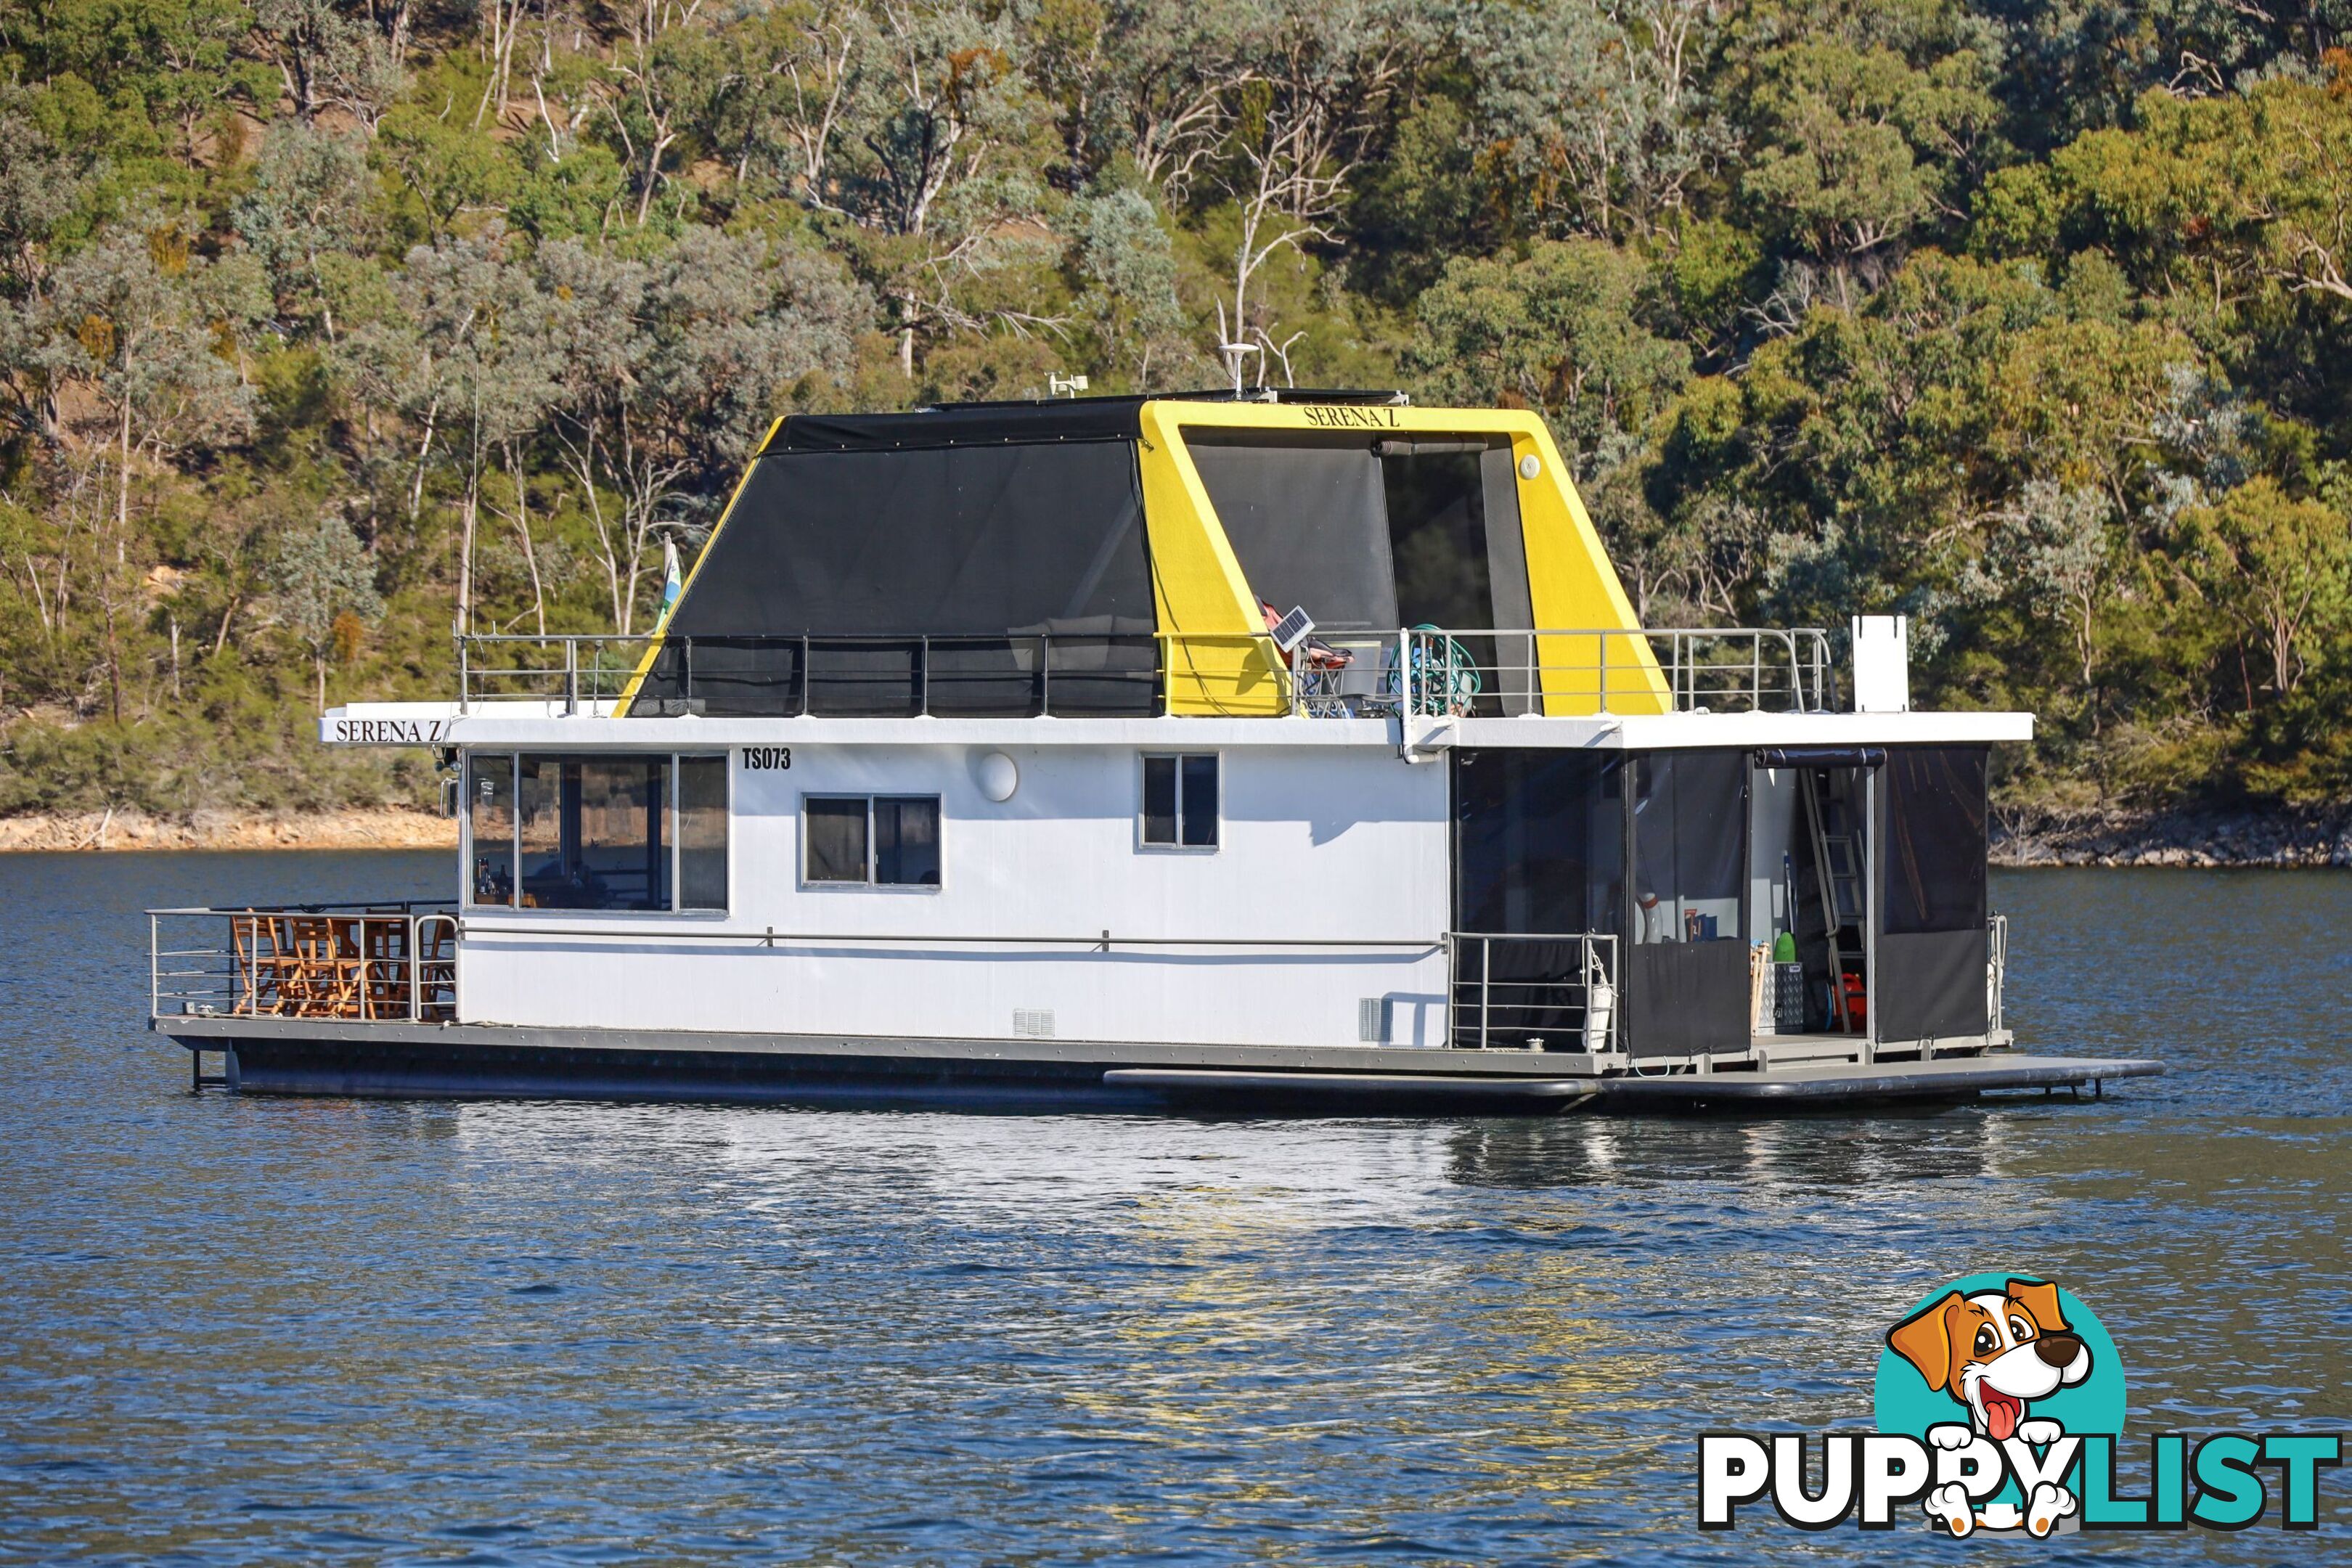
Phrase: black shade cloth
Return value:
(1538, 849)
(1029, 419)
(1690, 836)
(992, 550)
(1308, 524)
(964, 425)
(1683, 997)
(1538, 841)
(1935, 840)
(1932, 949)
(1685, 993)
(1932, 986)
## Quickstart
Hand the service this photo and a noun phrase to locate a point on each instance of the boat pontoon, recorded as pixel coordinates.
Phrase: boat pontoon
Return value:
(1270, 753)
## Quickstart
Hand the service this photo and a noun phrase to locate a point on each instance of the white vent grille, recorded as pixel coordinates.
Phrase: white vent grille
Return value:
(1032, 1023)
(1372, 1020)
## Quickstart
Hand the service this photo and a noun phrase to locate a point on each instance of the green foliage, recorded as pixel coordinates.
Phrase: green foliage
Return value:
(321, 325)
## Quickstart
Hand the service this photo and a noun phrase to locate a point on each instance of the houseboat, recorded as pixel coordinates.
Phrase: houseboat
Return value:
(1261, 752)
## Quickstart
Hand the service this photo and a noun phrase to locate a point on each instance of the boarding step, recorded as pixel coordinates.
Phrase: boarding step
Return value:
(1797, 1050)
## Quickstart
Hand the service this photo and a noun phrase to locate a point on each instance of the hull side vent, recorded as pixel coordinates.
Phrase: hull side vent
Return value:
(1372, 1020)
(1032, 1023)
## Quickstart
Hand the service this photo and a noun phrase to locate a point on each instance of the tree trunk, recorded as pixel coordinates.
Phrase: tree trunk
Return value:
(466, 557)
(530, 555)
(123, 485)
(114, 661)
(465, 567)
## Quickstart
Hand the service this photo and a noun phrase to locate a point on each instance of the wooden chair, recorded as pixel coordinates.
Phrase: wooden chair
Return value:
(263, 964)
(324, 980)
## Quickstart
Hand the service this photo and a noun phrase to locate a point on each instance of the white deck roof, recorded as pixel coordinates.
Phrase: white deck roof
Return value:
(538, 724)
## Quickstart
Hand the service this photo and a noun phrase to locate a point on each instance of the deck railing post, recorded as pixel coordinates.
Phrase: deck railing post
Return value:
(1044, 675)
(1485, 984)
(571, 677)
(1601, 706)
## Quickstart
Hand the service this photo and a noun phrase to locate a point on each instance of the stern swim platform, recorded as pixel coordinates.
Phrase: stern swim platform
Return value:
(1282, 755)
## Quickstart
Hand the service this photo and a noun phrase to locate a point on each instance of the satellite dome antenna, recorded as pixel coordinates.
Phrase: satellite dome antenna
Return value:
(1233, 352)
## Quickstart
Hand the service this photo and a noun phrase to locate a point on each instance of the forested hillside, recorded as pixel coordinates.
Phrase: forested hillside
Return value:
(324, 323)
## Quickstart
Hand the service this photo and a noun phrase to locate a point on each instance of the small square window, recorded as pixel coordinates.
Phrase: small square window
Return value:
(837, 840)
(906, 841)
(889, 841)
(1180, 802)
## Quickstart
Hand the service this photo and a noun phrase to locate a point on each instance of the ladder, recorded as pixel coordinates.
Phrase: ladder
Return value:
(1837, 860)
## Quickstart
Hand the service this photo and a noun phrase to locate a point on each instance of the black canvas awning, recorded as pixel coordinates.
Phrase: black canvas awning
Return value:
(964, 425)
(861, 576)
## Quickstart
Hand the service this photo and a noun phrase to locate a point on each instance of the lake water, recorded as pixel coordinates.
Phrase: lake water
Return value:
(242, 1329)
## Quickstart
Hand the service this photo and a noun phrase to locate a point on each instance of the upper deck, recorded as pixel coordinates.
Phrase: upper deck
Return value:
(1396, 572)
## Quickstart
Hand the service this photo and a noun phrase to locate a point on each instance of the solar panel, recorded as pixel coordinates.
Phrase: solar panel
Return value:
(1292, 629)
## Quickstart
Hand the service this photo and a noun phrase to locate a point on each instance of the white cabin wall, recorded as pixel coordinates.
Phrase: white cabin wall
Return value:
(1315, 844)
(1772, 814)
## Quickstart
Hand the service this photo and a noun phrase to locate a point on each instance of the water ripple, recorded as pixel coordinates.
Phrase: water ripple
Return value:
(241, 1330)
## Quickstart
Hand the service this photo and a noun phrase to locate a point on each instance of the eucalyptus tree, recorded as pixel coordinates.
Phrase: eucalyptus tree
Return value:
(329, 56)
(322, 574)
(937, 178)
(1302, 124)
(1562, 332)
(1130, 264)
(307, 216)
(670, 372)
(794, 83)
(1600, 113)
(468, 361)
(138, 338)
(147, 330)
(1175, 67)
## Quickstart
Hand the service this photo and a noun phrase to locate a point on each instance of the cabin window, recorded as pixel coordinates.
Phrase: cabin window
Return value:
(592, 832)
(491, 819)
(702, 832)
(629, 832)
(883, 841)
(1180, 802)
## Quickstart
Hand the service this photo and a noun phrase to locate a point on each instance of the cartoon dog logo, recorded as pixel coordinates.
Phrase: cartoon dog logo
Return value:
(1994, 1353)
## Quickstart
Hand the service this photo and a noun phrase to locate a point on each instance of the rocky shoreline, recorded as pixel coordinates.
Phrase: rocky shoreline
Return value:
(2121, 837)
(2103, 838)
(378, 827)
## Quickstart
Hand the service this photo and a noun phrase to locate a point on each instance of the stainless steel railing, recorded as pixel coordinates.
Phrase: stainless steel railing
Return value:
(1514, 992)
(1731, 669)
(1422, 671)
(569, 667)
(1996, 969)
(389, 961)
